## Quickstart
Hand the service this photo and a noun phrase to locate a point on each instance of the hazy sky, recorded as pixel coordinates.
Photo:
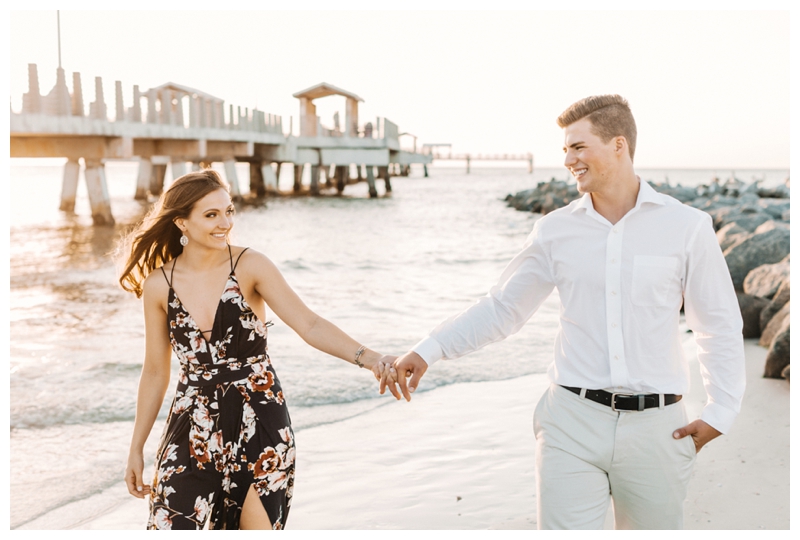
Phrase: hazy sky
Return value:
(707, 88)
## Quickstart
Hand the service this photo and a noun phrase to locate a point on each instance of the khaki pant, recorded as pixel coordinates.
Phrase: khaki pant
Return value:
(588, 455)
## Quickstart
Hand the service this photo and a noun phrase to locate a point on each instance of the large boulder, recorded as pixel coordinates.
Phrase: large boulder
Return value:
(683, 194)
(751, 308)
(777, 192)
(774, 207)
(714, 203)
(778, 301)
(778, 356)
(731, 234)
(775, 326)
(765, 280)
(748, 216)
(772, 224)
(765, 247)
(545, 197)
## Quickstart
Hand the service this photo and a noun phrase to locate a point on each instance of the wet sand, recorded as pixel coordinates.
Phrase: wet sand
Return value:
(462, 457)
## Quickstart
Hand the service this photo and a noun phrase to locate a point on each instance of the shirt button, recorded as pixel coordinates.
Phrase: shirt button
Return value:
(616, 357)
(613, 293)
(615, 230)
(613, 260)
(613, 325)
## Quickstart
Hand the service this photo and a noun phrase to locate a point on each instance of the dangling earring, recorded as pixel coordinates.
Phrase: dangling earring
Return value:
(184, 240)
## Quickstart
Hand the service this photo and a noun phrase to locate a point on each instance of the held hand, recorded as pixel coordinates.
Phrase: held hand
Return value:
(133, 476)
(701, 433)
(382, 367)
(375, 364)
(388, 378)
(409, 365)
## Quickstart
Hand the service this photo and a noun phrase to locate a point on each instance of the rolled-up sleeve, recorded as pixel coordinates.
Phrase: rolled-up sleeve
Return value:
(712, 313)
(524, 284)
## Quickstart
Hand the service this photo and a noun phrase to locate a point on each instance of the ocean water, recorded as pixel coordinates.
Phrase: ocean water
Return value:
(385, 270)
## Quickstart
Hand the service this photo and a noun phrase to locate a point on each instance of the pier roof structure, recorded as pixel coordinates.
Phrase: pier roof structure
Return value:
(309, 121)
(324, 89)
(184, 90)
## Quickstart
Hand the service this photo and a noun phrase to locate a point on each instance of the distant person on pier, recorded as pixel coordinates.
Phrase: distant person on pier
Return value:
(227, 453)
(624, 259)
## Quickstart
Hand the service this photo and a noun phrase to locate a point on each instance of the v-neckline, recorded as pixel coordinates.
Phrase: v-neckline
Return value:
(216, 312)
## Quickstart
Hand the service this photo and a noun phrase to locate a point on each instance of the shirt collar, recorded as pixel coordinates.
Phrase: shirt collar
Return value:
(646, 195)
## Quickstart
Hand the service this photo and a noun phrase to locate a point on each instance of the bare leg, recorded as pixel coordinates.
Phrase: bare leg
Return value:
(253, 517)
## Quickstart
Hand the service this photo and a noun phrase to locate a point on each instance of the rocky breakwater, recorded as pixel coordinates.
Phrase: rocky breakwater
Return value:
(752, 225)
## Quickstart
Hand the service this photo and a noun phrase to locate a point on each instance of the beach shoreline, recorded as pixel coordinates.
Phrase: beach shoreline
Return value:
(462, 457)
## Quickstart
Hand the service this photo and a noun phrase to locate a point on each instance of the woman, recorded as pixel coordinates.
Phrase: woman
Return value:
(227, 451)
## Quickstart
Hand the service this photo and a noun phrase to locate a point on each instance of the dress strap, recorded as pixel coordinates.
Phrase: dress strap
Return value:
(165, 277)
(237, 259)
(171, 272)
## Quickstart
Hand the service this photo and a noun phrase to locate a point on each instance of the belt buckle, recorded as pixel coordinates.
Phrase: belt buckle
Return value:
(614, 397)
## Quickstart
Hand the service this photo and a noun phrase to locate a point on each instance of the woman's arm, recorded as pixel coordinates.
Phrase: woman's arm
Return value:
(152, 384)
(315, 330)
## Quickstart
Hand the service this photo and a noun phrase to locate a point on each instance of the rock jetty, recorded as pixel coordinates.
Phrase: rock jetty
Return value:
(752, 225)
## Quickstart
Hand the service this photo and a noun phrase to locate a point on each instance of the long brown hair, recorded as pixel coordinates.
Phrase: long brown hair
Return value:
(156, 240)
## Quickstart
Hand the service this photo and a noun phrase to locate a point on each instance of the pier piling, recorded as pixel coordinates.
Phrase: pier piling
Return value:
(69, 187)
(298, 177)
(371, 181)
(233, 179)
(157, 177)
(270, 179)
(341, 177)
(178, 169)
(383, 172)
(97, 188)
(315, 179)
(257, 188)
(143, 179)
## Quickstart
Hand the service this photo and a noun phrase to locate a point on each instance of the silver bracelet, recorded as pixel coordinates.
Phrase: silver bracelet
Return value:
(359, 352)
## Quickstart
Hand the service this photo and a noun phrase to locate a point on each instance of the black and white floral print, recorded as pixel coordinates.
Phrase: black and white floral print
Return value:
(228, 426)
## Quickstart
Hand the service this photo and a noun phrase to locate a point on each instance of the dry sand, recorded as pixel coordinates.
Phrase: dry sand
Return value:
(462, 457)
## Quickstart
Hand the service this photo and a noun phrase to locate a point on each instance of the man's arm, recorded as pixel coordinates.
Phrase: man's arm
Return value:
(712, 313)
(522, 287)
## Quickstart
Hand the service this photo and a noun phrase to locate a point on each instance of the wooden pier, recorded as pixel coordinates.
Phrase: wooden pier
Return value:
(174, 125)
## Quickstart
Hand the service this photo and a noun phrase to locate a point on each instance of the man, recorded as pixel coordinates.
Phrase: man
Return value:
(624, 259)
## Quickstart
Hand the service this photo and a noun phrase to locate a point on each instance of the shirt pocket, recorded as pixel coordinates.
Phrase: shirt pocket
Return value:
(655, 280)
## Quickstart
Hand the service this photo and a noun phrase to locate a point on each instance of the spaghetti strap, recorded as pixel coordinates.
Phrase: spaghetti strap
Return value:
(237, 258)
(165, 275)
(172, 271)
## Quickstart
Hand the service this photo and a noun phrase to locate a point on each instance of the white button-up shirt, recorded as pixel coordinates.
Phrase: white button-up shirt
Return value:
(621, 288)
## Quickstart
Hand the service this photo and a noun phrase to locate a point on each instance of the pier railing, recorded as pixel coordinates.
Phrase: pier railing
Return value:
(170, 104)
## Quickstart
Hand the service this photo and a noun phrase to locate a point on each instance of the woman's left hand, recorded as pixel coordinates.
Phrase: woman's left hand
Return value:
(383, 364)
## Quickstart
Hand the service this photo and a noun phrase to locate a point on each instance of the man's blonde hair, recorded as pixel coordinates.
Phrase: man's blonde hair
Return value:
(609, 115)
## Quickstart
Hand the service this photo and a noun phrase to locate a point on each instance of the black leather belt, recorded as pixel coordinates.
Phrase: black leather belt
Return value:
(625, 402)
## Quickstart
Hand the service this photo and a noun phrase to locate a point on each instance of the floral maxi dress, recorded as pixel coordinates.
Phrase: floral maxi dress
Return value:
(228, 426)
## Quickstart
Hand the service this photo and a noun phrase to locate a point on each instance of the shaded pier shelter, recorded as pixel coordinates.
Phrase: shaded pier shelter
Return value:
(363, 146)
(309, 121)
